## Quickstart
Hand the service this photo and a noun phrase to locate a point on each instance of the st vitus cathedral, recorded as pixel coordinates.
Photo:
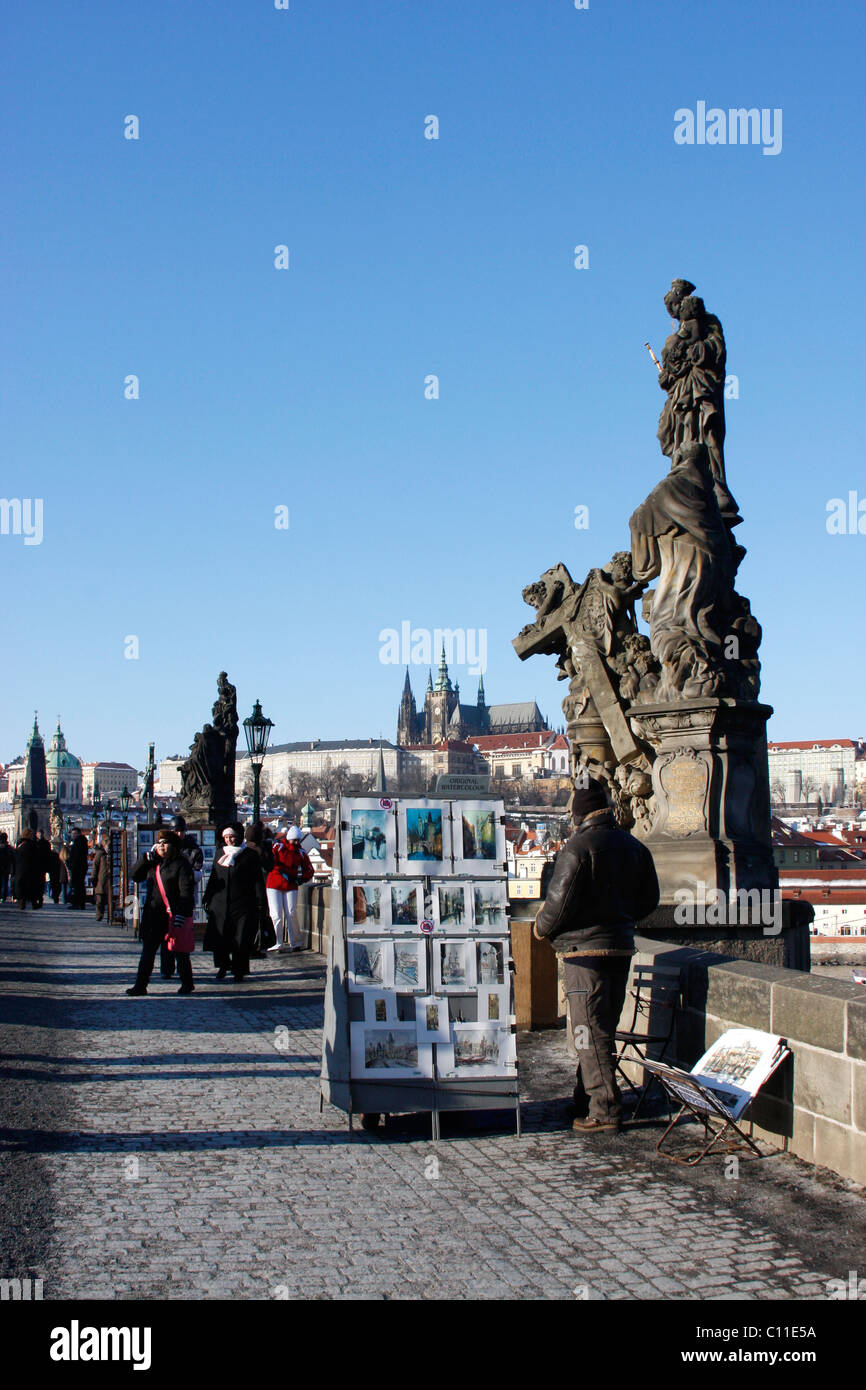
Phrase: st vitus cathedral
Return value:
(445, 717)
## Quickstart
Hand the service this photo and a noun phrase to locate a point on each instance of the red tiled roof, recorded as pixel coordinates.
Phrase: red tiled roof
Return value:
(851, 897)
(816, 743)
(491, 742)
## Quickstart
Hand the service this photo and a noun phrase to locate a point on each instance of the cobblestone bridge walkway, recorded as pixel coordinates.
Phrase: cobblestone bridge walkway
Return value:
(170, 1147)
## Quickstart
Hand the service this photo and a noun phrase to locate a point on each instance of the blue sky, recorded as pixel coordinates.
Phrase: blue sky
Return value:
(304, 388)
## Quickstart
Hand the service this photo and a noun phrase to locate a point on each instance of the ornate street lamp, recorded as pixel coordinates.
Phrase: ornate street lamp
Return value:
(125, 799)
(107, 813)
(257, 731)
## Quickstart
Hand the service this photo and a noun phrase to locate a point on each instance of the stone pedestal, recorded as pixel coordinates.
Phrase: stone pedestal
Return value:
(711, 828)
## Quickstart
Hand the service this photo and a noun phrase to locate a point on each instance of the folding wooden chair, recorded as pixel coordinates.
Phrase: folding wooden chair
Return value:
(706, 1106)
(657, 994)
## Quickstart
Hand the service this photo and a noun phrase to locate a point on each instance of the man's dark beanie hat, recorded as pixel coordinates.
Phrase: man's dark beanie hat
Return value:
(591, 797)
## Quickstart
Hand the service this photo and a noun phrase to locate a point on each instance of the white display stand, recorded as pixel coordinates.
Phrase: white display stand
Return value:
(419, 1003)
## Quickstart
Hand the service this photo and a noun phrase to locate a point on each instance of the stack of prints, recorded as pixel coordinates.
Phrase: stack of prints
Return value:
(428, 951)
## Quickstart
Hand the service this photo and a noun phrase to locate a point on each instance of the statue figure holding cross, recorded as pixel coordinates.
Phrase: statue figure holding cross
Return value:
(591, 629)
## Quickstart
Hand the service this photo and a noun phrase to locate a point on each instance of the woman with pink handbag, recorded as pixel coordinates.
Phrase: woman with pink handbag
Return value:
(168, 908)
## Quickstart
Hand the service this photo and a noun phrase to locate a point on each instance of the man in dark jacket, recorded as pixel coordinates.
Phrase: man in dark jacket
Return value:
(604, 881)
(100, 875)
(76, 863)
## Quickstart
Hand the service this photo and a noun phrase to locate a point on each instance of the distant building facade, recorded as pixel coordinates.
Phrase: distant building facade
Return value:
(524, 755)
(110, 778)
(802, 771)
(316, 758)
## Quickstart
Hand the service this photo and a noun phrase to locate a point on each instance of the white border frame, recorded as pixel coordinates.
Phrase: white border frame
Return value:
(407, 928)
(367, 928)
(367, 868)
(503, 994)
(419, 943)
(442, 1034)
(358, 986)
(484, 928)
(479, 868)
(430, 868)
(502, 945)
(452, 886)
(370, 997)
(469, 957)
(358, 1039)
(506, 1064)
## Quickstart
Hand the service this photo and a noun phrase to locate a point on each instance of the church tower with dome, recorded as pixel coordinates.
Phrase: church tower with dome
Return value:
(64, 773)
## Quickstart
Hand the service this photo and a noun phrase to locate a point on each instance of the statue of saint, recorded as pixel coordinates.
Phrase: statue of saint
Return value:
(693, 375)
(679, 537)
(208, 774)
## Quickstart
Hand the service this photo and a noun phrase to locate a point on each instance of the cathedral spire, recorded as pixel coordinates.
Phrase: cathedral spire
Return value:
(407, 688)
(429, 682)
(443, 680)
(481, 701)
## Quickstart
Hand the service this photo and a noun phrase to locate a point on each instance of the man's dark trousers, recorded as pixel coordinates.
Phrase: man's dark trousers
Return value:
(596, 987)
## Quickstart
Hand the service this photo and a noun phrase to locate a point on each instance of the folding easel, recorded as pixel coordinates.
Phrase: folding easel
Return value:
(704, 1104)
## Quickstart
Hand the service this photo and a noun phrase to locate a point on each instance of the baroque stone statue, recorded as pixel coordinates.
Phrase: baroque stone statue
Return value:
(692, 373)
(591, 628)
(703, 639)
(208, 774)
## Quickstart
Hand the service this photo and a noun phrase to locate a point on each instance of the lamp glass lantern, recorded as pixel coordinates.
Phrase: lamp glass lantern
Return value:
(257, 731)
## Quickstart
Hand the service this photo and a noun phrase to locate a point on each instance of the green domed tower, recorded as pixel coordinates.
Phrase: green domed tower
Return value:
(64, 772)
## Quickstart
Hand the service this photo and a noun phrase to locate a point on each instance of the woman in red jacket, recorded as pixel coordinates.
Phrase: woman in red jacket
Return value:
(292, 867)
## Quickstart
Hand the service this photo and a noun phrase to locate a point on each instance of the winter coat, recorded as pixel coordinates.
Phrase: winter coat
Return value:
(291, 868)
(179, 885)
(234, 900)
(29, 883)
(100, 872)
(76, 857)
(604, 881)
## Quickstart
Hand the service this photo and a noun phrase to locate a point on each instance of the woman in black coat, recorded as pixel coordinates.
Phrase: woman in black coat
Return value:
(179, 885)
(234, 901)
(29, 871)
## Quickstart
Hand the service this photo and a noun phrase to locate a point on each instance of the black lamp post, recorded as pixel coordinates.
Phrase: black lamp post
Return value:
(107, 813)
(257, 731)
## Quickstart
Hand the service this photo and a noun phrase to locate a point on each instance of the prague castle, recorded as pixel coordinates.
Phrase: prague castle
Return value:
(444, 717)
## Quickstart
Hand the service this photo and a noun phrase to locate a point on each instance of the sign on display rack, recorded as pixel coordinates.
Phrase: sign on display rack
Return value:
(419, 1009)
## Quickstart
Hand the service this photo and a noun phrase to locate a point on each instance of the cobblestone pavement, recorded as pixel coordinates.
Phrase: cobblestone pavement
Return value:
(169, 1147)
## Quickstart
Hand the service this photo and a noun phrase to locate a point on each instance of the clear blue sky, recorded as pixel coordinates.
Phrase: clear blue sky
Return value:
(408, 257)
